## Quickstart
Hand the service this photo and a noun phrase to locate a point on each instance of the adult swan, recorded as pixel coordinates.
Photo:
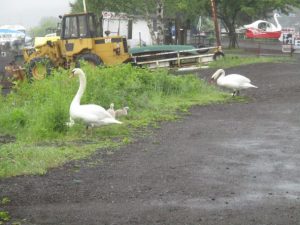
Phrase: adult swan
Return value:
(91, 114)
(236, 82)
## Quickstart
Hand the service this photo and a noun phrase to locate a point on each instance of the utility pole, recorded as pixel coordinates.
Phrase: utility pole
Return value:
(214, 14)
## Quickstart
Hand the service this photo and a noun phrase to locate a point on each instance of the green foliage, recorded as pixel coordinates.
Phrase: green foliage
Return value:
(36, 113)
(4, 201)
(4, 216)
(207, 25)
(36, 110)
(172, 8)
(129, 6)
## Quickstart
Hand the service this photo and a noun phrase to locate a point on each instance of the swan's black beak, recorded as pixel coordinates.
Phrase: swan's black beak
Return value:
(211, 80)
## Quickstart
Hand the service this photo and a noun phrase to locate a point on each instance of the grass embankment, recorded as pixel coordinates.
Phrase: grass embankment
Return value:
(36, 114)
(237, 57)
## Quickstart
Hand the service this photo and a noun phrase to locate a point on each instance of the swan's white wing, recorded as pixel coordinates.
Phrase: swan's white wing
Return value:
(97, 120)
(237, 78)
(229, 84)
(89, 113)
(233, 81)
(248, 85)
(95, 109)
(111, 120)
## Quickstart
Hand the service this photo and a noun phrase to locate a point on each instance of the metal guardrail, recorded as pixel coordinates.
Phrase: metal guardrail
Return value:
(177, 60)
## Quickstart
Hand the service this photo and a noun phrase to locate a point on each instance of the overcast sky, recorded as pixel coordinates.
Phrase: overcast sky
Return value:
(29, 12)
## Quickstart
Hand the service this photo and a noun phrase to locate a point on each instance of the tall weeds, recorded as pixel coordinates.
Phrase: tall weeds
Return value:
(36, 113)
(39, 110)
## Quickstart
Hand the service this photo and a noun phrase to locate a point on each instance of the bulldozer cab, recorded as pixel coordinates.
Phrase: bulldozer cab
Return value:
(81, 38)
(78, 31)
(79, 26)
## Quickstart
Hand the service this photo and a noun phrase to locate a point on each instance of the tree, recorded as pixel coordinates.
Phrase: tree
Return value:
(233, 13)
(146, 8)
(44, 26)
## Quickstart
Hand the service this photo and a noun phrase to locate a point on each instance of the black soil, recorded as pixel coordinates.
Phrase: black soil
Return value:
(227, 164)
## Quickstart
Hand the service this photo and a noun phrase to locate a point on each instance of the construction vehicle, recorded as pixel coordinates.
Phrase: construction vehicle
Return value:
(80, 39)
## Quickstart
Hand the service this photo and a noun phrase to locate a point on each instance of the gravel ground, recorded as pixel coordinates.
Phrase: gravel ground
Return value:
(227, 164)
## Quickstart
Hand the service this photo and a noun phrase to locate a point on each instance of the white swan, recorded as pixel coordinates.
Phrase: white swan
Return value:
(111, 110)
(235, 82)
(91, 114)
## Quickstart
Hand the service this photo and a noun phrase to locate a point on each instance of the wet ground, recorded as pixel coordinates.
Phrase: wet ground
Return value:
(227, 164)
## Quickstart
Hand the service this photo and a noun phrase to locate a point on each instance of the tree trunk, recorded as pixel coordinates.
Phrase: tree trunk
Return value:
(151, 29)
(158, 36)
(179, 29)
(233, 41)
(160, 22)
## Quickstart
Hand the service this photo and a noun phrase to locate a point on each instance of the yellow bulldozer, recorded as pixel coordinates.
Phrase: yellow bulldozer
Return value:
(80, 39)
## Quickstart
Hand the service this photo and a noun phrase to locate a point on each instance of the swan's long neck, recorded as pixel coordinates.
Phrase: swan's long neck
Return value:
(278, 26)
(82, 85)
(218, 74)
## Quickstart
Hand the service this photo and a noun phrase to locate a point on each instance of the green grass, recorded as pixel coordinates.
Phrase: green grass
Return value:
(4, 215)
(36, 114)
(235, 58)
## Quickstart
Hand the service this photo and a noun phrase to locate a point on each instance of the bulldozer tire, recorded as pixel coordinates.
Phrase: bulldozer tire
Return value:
(90, 58)
(39, 68)
(218, 55)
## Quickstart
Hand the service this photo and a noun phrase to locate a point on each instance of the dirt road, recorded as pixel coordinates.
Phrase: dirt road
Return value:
(228, 164)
